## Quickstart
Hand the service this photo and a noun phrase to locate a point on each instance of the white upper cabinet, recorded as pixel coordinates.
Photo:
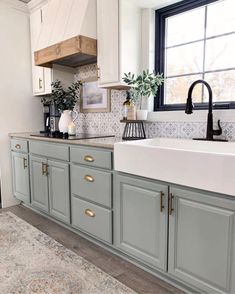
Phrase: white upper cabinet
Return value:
(119, 41)
(108, 37)
(41, 77)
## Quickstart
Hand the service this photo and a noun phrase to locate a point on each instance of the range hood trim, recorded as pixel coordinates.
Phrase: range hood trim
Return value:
(73, 52)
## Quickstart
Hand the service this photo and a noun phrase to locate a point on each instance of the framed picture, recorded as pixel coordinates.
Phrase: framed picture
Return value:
(93, 98)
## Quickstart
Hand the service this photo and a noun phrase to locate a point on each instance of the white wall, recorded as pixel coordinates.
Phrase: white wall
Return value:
(19, 111)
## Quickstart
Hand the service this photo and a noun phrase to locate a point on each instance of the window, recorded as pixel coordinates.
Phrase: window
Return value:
(195, 39)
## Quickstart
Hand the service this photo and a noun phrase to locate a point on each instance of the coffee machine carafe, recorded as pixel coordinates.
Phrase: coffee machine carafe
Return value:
(54, 118)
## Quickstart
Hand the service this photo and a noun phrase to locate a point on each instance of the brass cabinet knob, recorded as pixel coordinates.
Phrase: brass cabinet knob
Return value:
(89, 213)
(18, 146)
(89, 158)
(89, 178)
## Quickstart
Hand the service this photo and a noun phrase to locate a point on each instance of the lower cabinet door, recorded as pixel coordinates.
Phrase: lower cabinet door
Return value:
(20, 171)
(202, 240)
(39, 183)
(140, 219)
(59, 190)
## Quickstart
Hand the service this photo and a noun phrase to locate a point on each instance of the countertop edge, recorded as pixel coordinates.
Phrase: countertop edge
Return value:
(107, 142)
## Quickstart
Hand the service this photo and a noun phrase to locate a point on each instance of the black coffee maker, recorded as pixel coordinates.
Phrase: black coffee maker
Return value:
(51, 118)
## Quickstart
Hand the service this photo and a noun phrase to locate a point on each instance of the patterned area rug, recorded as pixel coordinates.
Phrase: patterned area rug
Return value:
(32, 262)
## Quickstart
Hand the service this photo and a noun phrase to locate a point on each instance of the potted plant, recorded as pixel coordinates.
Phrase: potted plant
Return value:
(65, 100)
(143, 86)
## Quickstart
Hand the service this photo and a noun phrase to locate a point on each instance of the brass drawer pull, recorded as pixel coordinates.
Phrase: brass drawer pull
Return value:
(171, 208)
(47, 172)
(161, 201)
(44, 169)
(89, 178)
(89, 213)
(25, 163)
(18, 146)
(89, 158)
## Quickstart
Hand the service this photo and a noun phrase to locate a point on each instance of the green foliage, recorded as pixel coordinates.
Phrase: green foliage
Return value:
(143, 85)
(64, 99)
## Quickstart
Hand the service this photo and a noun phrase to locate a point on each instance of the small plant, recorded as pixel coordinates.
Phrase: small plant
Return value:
(64, 99)
(146, 84)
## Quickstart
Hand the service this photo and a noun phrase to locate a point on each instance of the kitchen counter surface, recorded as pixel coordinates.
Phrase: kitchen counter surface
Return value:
(107, 142)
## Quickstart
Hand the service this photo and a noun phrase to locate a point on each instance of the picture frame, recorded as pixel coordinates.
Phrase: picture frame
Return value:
(93, 98)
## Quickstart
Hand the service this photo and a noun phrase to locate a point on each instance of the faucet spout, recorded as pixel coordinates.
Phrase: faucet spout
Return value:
(189, 110)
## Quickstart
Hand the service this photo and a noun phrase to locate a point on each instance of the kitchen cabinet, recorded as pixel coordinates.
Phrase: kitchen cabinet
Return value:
(202, 240)
(39, 183)
(50, 187)
(20, 176)
(59, 199)
(92, 219)
(91, 191)
(186, 234)
(119, 41)
(41, 76)
(140, 219)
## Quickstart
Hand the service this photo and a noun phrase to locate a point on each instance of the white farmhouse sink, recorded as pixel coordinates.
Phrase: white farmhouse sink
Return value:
(199, 164)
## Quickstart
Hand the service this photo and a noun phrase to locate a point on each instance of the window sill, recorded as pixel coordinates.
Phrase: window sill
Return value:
(227, 115)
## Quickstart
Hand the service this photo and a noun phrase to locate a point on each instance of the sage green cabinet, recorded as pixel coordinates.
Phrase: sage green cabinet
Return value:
(92, 184)
(92, 219)
(50, 187)
(58, 176)
(140, 219)
(39, 183)
(202, 240)
(20, 176)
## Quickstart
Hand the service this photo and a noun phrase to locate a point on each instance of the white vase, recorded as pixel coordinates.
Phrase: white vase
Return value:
(141, 114)
(66, 119)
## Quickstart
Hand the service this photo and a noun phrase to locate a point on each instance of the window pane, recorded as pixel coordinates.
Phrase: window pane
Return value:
(185, 27)
(222, 84)
(220, 18)
(220, 52)
(176, 89)
(184, 59)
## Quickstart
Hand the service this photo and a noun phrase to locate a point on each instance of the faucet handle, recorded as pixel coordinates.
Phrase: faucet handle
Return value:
(219, 131)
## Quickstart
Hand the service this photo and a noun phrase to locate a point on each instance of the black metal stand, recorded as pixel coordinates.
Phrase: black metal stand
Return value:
(134, 130)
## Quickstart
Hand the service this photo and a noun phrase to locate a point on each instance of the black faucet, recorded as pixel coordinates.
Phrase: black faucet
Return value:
(189, 110)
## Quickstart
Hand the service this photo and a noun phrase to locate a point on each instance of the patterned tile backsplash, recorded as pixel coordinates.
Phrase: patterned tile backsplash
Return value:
(109, 123)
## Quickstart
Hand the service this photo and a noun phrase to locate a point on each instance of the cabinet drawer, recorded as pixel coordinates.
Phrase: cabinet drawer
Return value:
(92, 184)
(19, 145)
(92, 157)
(93, 219)
(52, 150)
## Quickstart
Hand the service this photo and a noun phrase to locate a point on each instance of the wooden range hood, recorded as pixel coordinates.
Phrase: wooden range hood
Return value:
(74, 52)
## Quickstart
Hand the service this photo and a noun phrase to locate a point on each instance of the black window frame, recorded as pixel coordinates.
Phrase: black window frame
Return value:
(160, 17)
